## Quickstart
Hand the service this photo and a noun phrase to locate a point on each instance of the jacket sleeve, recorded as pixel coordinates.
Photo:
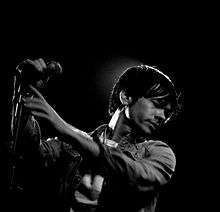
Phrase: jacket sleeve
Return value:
(50, 151)
(46, 151)
(144, 171)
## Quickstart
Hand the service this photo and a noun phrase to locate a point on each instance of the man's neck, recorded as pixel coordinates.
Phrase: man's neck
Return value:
(121, 126)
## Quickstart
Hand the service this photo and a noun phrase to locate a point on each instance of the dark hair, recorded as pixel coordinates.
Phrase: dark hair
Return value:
(143, 81)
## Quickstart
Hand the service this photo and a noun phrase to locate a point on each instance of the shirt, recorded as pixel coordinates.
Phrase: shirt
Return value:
(134, 169)
(131, 173)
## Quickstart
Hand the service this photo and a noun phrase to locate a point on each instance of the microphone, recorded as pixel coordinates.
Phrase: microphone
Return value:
(29, 74)
(54, 69)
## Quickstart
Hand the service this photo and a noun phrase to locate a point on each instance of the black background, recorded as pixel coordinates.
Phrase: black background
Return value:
(87, 43)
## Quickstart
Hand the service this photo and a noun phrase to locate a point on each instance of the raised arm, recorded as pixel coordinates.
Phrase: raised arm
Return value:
(82, 141)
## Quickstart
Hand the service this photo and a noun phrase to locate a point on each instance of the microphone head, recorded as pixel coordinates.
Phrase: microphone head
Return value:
(31, 75)
(54, 69)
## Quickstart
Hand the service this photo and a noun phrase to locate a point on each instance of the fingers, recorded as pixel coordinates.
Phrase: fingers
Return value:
(39, 114)
(42, 63)
(33, 106)
(36, 92)
(31, 99)
(37, 103)
(39, 64)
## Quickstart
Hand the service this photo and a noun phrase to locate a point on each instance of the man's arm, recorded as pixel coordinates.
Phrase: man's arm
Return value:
(35, 147)
(78, 139)
(156, 168)
(153, 168)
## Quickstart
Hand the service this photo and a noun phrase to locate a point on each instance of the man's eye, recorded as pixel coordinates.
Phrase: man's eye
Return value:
(157, 104)
(160, 103)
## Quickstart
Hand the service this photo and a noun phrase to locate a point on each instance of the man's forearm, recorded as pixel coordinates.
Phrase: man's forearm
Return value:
(81, 140)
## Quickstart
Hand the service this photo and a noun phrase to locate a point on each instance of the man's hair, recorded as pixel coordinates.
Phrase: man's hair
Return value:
(143, 81)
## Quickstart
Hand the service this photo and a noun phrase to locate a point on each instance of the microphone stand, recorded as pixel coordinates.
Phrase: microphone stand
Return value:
(21, 80)
(16, 122)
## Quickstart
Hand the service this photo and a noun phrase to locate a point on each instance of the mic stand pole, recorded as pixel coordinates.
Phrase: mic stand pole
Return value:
(17, 109)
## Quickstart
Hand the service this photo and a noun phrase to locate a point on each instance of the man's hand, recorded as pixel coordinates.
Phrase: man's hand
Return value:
(34, 77)
(39, 64)
(40, 108)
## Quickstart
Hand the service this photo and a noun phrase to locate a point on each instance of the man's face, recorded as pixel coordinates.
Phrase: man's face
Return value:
(147, 114)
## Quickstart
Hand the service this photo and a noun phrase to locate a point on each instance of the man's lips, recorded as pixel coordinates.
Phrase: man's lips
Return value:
(152, 123)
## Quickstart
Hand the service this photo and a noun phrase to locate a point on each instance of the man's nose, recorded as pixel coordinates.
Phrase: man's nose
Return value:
(159, 115)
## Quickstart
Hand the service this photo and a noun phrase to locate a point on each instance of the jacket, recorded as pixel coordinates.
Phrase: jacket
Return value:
(133, 172)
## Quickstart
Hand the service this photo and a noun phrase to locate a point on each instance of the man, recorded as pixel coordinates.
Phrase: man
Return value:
(119, 166)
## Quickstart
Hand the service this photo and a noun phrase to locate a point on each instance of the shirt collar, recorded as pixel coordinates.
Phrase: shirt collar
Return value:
(114, 119)
(130, 136)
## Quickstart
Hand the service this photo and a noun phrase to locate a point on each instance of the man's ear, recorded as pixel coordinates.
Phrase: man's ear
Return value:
(125, 100)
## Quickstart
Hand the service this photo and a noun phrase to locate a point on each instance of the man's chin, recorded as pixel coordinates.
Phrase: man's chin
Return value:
(148, 131)
(144, 131)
